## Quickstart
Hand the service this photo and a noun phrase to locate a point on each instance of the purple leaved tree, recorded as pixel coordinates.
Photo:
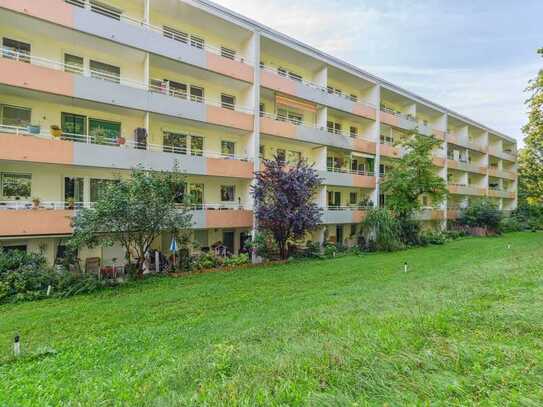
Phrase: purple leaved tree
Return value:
(284, 199)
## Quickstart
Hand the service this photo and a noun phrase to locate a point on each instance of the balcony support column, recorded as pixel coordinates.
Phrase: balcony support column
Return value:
(376, 136)
(146, 11)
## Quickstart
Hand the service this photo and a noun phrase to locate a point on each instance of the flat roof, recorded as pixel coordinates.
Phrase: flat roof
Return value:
(277, 36)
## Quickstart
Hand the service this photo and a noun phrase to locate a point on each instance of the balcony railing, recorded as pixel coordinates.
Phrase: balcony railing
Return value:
(151, 87)
(112, 12)
(350, 171)
(106, 141)
(26, 205)
(353, 207)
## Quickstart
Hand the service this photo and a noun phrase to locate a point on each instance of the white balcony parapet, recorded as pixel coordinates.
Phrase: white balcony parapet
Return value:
(24, 205)
(350, 171)
(90, 139)
(165, 32)
(150, 87)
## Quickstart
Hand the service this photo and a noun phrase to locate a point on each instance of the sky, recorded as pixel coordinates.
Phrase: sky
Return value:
(473, 56)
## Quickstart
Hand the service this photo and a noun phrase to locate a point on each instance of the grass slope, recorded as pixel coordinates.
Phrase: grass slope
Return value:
(464, 327)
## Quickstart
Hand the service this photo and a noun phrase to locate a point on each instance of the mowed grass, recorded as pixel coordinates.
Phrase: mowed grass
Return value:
(463, 327)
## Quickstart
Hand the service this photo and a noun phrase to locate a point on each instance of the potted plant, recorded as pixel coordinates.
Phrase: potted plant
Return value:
(70, 203)
(56, 131)
(35, 203)
(121, 141)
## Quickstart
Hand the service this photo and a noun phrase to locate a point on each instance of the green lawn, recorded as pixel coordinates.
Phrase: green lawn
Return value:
(464, 326)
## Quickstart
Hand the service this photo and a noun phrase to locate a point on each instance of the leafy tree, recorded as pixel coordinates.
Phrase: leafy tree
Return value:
(284, 201)
(531, 156)
(134, 211)
(412, 176)
(483, 213)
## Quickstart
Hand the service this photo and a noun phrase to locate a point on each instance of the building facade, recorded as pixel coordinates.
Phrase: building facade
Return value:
(89, 90)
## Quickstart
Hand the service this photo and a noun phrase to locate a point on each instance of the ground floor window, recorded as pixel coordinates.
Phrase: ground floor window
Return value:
(21, 248)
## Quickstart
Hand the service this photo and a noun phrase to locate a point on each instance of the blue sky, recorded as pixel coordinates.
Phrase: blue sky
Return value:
(474, 56)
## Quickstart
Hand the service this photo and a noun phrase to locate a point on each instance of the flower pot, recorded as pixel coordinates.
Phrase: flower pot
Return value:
(121, 141)
(56, 133)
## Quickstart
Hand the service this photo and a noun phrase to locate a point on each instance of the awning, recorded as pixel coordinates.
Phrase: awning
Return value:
(363, 155)
(295, 103)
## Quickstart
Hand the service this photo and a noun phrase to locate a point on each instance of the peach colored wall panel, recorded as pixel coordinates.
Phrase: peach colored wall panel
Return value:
(272, 81)
(453, 214)
(364, 146)
(230, 118)
(229, 219)
(277, 128)
(362, 181)
(358, 216)
(228, 67)
(35, 222)
(33, 77)
(390, 151)
(229, 168)
(55, 11)
(364, 111)
(453, 164)
(437, 214)
(390, 119)
(30, 148)
(438, 161)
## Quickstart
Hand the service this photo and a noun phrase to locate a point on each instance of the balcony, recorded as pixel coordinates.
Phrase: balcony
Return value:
(45, 75)
(509, 155)
(343, 214)
(463, 189)
(21, 218)
(406, 122)
(348, 178)
(495, 192)
(466, 143)
(276, 125)
(389, 149)
(430, 214)
(294, 86)
(19, 144)
(465, 166)
(121, 28)
(495, 172)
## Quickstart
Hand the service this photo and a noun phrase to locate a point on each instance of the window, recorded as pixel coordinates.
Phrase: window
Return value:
(78, 3)
(262, 151)
(382, 201)
(228, 53)
(73, 189)
(295, 76)
(196, 94)
(282, 71)
(228, 102)
(177, 89)
(73, 124)
(333, 90)
(174, 143)
(294, 118)
(15, 116)
(104, 131)
(333, 127)
(20, 248)
(353, 198)
(197, 145)
(354, 229)
(106, 72)
(228, 148)
(106, 10)
(294, 157)
(385, 139)
(228, 193)
(353, 131)
(174, 34)
(17, 50)
(197, 194)
(16, 185)
(281, 154)
(262, 110)
(197, 42)
(73, 64)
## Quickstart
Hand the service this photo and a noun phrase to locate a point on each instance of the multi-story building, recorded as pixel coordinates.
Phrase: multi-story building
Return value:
(90, 89)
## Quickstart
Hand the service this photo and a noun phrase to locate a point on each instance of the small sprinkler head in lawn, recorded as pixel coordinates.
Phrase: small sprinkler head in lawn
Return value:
(17, 345)
(509, 246)
(405, 267)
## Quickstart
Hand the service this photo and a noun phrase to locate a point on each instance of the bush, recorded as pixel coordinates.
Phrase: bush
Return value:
(330, 250)
(264, 245)
(512, 224)
(381, 231)
(26, 277)
(206, 261)
(483, 214)
(234, 261)
(432, 237)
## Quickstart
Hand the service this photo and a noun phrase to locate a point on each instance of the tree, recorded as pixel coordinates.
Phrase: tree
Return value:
(284, 201)
(381, 230)
(531, 156)
(412, 176)
(134, 211)
(483, 213)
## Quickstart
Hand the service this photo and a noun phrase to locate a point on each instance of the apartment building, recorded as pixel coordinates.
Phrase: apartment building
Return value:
(90, 89)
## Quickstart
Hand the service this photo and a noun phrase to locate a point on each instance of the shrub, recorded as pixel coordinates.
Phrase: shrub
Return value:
(237, 260)
(512, 224)
(484, 214)
(330, 250)
(381, 231)
(206, 261)
(264, 245)
(432, 237)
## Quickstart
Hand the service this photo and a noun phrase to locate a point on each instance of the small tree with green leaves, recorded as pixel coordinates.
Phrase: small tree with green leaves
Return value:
(484, 214)
(412, 176)
(134, 211)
